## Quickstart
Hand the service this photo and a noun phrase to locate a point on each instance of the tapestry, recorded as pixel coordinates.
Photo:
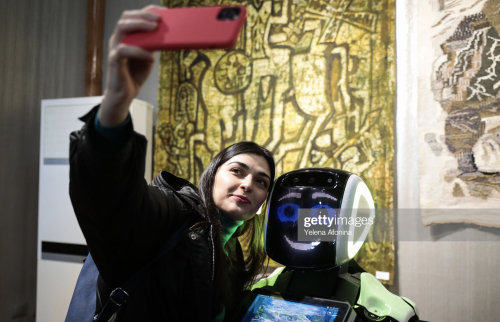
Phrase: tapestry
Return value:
(313, 81)
(459, 111)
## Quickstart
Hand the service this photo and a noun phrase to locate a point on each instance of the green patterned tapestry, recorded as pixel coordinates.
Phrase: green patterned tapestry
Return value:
(311, 80)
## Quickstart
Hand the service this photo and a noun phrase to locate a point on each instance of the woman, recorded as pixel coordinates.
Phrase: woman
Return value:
(125, 221)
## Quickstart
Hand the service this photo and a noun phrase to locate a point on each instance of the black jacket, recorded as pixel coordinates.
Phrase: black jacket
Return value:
(125, 222)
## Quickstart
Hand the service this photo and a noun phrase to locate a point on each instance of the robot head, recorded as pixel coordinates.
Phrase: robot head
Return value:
(339, 194)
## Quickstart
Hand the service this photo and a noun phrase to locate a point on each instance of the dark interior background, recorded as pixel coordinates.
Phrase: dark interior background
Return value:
(42, 56)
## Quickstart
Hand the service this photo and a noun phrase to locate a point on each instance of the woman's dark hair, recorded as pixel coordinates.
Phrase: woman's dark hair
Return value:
(251, 232)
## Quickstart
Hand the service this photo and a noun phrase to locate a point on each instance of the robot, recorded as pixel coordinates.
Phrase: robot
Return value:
(320, 280)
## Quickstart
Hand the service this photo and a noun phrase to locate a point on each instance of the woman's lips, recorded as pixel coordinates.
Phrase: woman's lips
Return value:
(241, 198)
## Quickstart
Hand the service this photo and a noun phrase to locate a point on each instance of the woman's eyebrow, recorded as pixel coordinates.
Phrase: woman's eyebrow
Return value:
(264, 175)
(243, 165)
(240, 163)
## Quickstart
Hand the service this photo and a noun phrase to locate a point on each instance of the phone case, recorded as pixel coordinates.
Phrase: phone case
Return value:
(190, 28)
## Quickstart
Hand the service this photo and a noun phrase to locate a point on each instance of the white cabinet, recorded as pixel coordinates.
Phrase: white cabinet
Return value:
(61, 245)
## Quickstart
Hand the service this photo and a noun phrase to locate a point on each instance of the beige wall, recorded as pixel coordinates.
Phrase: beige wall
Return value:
(450, 272)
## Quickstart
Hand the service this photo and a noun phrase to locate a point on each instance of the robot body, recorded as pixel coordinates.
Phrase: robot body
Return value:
(321, 277)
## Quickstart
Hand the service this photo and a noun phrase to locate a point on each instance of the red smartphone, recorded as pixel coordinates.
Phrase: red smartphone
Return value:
(215, 27)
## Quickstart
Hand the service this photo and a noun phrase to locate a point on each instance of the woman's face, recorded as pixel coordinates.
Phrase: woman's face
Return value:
(241, 186)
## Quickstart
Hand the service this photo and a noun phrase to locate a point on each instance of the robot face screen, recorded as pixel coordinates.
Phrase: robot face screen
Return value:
(282, 226)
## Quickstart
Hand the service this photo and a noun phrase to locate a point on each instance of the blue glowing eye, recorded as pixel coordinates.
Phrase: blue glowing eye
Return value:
(288, 212)
(331, 212)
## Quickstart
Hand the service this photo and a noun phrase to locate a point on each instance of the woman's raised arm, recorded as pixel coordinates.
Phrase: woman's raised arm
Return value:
(128, 66)
(124, 220)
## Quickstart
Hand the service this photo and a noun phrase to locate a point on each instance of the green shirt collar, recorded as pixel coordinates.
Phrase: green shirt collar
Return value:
(229, 226)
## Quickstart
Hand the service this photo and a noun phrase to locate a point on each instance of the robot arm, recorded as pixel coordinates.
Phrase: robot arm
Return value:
(378, 303)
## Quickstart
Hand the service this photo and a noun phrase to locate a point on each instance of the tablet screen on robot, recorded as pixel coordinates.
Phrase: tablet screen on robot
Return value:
(275, 308)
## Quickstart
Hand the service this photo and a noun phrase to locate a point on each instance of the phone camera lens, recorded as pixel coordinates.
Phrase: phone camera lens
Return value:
(329, 180)
(295, 180)
(311, 180)
(229, 14)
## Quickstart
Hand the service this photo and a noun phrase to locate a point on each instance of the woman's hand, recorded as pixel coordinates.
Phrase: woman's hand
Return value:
(128, 66)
